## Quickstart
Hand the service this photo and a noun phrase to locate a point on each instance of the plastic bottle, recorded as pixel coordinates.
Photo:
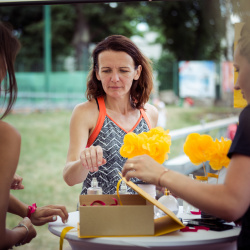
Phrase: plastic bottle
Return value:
(94, 189)
(148, 188)
(169, 202)
(123, 188)
(186, 207)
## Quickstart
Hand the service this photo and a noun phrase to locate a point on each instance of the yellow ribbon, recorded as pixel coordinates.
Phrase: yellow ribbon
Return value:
(117, 191)
(201, 178)
(63, 233)
(213, 175)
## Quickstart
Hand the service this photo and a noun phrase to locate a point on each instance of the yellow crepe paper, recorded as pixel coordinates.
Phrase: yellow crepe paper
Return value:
(202, 148)
(155, 143)
(219, 157)
(197, 147)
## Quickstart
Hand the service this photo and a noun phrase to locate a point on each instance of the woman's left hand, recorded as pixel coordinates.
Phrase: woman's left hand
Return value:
(49, 213)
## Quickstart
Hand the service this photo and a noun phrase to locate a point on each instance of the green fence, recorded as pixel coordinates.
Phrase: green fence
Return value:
(65, 89)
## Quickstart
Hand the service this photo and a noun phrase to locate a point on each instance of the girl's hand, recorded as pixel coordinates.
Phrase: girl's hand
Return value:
(27, 231)
(49, 213)
(17, 182)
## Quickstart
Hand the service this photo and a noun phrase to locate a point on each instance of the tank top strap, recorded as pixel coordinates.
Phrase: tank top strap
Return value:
(100, 121)
(144, 115)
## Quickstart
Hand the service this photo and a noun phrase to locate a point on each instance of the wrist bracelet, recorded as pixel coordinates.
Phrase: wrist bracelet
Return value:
(159, 180)
(31, 210)
(22, 225)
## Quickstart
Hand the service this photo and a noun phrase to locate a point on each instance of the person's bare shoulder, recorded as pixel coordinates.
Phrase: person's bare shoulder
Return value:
(152, 113)
(10, 145)
(8, 134)
(86, 112)
(84, 106)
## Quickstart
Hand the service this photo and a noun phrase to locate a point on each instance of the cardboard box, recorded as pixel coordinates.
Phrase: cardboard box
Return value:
(133, 216)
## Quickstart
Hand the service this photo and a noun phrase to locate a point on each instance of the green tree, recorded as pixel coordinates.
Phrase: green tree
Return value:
(25, 22)
(74, 27)
(192, 29)
(188, 30)
(28, 23)
(94, 22)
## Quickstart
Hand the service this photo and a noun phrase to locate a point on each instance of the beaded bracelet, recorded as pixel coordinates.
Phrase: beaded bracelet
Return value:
(22, 225)
(159, 180)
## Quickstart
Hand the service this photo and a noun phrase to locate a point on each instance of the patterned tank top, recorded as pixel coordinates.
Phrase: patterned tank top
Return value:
(109, 135)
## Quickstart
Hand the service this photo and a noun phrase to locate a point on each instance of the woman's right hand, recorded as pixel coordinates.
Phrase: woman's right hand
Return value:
(92, 158)
(144, 168)
(27, 235)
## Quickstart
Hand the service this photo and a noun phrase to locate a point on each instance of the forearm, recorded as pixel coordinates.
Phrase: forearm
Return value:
(228, 201)
(74, 173)
(12, 237)
(17, 207)
(213, 199)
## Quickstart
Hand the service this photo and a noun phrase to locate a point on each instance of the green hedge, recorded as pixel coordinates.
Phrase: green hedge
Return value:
(60, 82)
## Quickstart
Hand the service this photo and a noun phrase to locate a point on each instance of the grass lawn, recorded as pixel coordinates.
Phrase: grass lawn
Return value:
(45, 138)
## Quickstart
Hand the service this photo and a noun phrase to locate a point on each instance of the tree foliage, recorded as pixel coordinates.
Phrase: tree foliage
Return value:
(25, 22)
(73, 26)
(189, 30)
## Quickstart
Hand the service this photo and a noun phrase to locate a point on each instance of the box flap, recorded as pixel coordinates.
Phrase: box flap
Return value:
(176, 223)
(166, 224)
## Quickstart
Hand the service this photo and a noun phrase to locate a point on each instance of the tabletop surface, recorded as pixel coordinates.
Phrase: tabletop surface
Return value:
(172, 239)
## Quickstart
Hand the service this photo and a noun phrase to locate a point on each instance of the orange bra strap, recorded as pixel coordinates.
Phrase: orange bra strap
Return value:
(100, 121)
(145, 118)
